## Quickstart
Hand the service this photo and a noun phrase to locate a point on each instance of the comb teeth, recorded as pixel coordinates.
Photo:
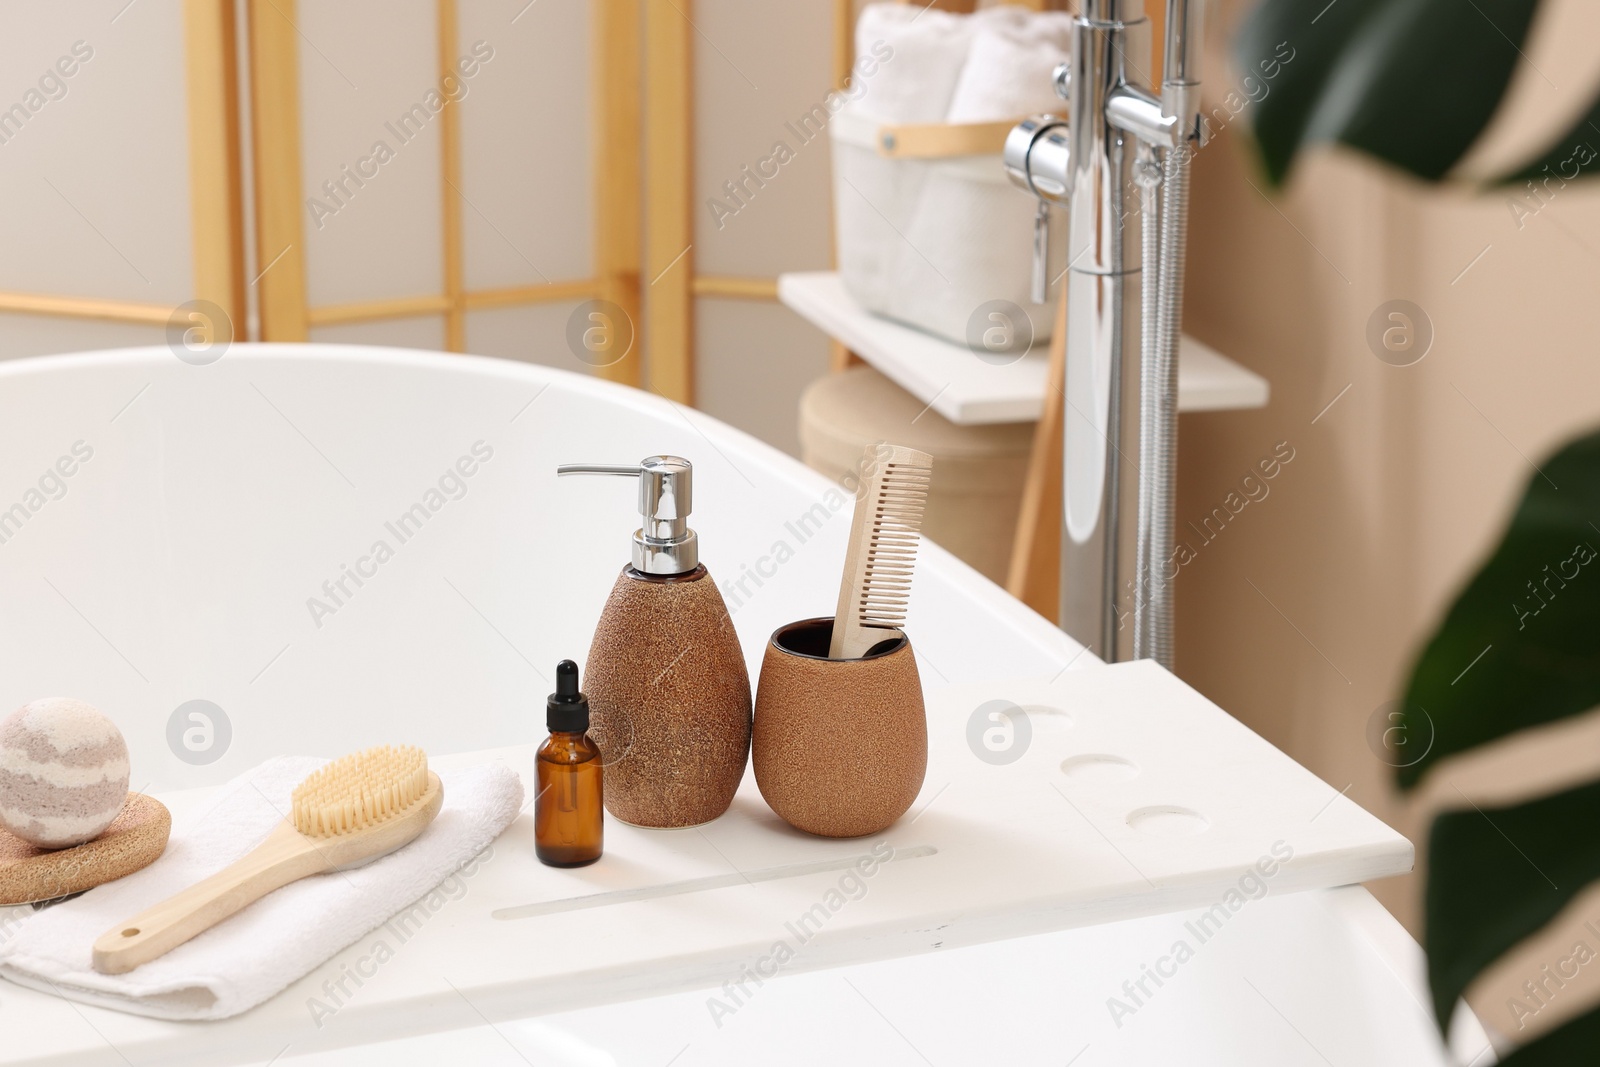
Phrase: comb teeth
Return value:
(882, 555)
(360, 790)
(897, 511)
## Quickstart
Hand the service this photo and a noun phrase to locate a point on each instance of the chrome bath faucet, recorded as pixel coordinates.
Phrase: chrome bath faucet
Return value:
(1118, 164)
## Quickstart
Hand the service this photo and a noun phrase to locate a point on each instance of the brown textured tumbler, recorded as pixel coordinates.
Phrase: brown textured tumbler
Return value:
(840, 746)
(669, 700)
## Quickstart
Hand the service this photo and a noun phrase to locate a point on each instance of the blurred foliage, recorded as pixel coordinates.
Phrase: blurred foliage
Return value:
(1411, 82)
(1532, 613)
(1519, 648)
(1414, 83)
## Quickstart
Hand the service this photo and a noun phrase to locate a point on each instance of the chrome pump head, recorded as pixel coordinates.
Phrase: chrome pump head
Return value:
(665, 544)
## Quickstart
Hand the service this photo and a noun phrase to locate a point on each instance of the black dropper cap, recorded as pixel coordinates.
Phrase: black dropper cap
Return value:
(567, 710)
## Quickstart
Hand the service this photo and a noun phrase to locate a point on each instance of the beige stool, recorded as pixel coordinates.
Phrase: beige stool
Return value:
(978, 471)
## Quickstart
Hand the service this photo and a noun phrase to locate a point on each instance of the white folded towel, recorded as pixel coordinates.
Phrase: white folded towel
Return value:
(1009, 66)
(950, 266)
(247, 958)
(944, 244)
(930, 47)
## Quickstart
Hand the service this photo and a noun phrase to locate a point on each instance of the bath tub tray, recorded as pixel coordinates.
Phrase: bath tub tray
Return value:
(1120, 792)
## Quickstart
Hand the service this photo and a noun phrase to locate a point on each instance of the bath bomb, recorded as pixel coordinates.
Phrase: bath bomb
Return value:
(63, 772)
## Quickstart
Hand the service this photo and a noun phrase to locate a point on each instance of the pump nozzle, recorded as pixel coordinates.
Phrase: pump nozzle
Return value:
(665, 544)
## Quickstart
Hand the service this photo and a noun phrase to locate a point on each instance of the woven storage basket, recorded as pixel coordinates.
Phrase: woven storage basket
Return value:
(941, 243)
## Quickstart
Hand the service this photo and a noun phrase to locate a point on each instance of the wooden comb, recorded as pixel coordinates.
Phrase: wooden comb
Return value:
(883, 549)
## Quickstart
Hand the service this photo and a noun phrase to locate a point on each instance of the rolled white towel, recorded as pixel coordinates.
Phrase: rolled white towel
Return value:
(966, 245)
(1001, 15)
(932, 243)
(921, 53)
(1009, 65)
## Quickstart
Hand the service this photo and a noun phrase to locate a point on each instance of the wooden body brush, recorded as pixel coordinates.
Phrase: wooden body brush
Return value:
(883, 549)
(348, 813)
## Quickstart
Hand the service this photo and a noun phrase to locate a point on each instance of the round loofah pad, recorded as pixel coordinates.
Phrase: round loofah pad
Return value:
(63, 772)
(134, 840)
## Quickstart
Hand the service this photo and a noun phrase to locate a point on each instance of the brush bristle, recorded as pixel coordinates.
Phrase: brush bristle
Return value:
(360, 790)
(898, 504)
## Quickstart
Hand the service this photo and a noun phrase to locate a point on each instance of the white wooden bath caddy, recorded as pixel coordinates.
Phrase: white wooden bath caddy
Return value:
(1133, 795)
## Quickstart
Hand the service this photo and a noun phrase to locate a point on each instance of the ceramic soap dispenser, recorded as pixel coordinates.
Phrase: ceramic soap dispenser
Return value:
(669, 693)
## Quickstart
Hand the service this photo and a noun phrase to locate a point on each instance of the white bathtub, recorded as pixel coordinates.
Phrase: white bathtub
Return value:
(173, 534)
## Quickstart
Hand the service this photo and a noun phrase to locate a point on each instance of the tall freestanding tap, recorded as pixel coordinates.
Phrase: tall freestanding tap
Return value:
(1118, 164)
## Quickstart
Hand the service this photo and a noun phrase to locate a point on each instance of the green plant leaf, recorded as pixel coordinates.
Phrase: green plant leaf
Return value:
(1521, 645)
(1576, 154)
(1497, 875)
(1570, 1043)
(1413, 82)
(1281, 119)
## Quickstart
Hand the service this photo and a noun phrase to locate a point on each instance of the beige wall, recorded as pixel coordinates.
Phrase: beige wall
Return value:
(95, 184)
(1399, 489)
(758, 66)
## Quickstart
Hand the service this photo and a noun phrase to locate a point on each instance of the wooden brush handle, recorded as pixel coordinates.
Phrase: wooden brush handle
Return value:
(285, 856)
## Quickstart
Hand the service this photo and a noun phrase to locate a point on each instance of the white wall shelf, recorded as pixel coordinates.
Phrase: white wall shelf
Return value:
(971, 391)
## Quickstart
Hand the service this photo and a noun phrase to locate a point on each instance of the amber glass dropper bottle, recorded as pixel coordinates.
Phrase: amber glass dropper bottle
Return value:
(568, 810)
